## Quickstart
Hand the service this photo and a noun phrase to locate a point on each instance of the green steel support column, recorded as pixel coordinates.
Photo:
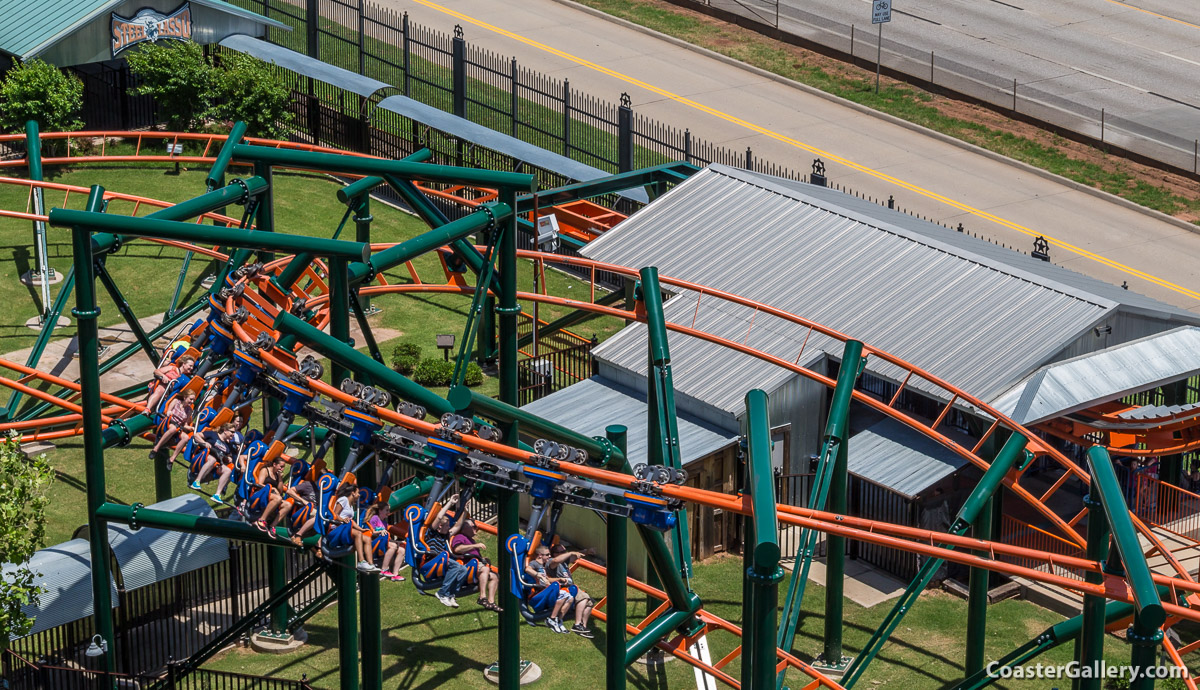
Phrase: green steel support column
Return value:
(266, 208)
(85, 313)
(217, 172)
(1144, 635)
(346, 577)
(835, 567)
(662, 426)
(360, 315)
(509, 628)
(835, 436)
(1012, 451)
(616, 603)
(293, 270)
(370, 614)
(1089, 645)
(508, 308)
(60, 302)
(362, 233)
(277, 579)
(763, 575)
(661, 627)
(977, 599)
(41, 263)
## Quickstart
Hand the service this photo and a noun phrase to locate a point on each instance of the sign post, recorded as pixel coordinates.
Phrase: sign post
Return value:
(881, 13)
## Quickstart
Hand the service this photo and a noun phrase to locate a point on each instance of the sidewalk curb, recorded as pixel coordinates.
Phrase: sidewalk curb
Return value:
(1025, 167)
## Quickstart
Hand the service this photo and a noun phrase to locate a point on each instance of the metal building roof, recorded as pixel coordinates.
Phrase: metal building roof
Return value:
(901, 459)
(151, 555)
(1079, 383)
(304, 65)
(65, 573)
(29, 28)
(946, 302)
(589, 406)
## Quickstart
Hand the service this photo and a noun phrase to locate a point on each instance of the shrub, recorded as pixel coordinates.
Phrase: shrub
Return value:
(405, 357)
(179, 79)
(23, 506)
(43, 93)
(433, 372)
(249, 90)
(474, 375)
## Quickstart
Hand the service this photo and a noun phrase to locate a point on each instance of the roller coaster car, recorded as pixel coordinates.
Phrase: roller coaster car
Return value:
(446, 454)
(535, 605)
(428, 570)
(337, 539)
(651, 511)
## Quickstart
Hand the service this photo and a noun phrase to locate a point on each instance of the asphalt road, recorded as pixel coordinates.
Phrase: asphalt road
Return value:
(1140, 62)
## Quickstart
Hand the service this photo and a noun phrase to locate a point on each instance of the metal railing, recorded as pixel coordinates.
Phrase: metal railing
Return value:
(1166, 505)
(554, 370)
(1019, 533)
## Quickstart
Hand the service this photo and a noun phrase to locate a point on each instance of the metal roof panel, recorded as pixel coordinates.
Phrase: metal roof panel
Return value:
(152, 555)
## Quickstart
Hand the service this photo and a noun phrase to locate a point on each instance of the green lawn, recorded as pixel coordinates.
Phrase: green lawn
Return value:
(427, 645)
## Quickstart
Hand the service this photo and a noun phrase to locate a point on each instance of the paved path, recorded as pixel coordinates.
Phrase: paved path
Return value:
(738, 107)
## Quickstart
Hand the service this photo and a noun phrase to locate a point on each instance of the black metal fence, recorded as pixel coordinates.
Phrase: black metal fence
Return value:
(108, 100)
(24, 674)
(444, 71)
(554, 370)
(173, 618)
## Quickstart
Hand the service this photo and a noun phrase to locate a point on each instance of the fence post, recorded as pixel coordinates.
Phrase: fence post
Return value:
(625, 134)
(459, 71)
(407, 50)
(566, 129)
(749, 159)
(514, 106)
(687, 146)
(311, 28)
(362, 58)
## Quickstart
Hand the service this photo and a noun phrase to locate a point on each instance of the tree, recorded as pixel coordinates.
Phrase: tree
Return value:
(249, 90)
(24, 484)
(42, 92)
(178, 77)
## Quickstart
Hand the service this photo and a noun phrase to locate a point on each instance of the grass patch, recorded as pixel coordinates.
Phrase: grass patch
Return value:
(427, 645)
(894, 98)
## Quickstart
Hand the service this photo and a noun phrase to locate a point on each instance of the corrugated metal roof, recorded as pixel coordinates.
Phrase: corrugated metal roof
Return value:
(29, 28)
(589, 406)
(919, 293)
(901, 459)
(151, 555)
(65, 573)
(1079, 383)
(304, 65)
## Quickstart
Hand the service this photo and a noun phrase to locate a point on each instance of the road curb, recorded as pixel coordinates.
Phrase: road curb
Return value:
(966, 146)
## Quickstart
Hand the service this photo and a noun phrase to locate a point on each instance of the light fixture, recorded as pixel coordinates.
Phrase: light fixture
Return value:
(445, 343)
(98, 647)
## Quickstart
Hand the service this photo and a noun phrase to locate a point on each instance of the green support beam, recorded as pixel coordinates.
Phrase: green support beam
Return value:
(224, 156)
(463, 399)
(209, 234)
(977, 598)
(126, 312)
(1089, 645)
(41, 263)
(662, 422)
(86, 312)
(1012, 452)
(1145, 635)
(660, 627)
(616, 602)
(836, 432)
(759, 621)
(508, 506)
(349, 360)
(138, 516)
(674, 172)
(421, 172)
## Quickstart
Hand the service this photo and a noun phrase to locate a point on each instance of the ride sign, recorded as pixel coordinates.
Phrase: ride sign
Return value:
(881, 11)
(150, 25)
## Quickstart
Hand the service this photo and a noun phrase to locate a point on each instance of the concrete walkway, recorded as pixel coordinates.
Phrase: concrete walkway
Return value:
(787, 124)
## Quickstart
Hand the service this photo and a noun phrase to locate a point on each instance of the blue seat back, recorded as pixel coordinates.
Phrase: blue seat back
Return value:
(327, 486)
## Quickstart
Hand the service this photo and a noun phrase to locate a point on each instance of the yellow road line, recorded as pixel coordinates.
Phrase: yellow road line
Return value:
(1153, 14)
(814, 150)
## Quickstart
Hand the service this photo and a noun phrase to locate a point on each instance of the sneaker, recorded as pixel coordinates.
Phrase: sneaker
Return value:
(363, 567)
(397, 578)
(217, 498)
(453, 602)
(555, 625)
(386, 575)
(582, 631)
(371, 567)
(447, 601)
(195, 486)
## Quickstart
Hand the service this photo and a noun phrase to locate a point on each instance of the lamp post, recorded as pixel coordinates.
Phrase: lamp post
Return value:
(97, 649)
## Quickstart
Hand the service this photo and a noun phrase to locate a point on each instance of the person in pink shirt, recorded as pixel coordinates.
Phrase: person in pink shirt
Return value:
(469, 551)
(179, 418)
(377, 516)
